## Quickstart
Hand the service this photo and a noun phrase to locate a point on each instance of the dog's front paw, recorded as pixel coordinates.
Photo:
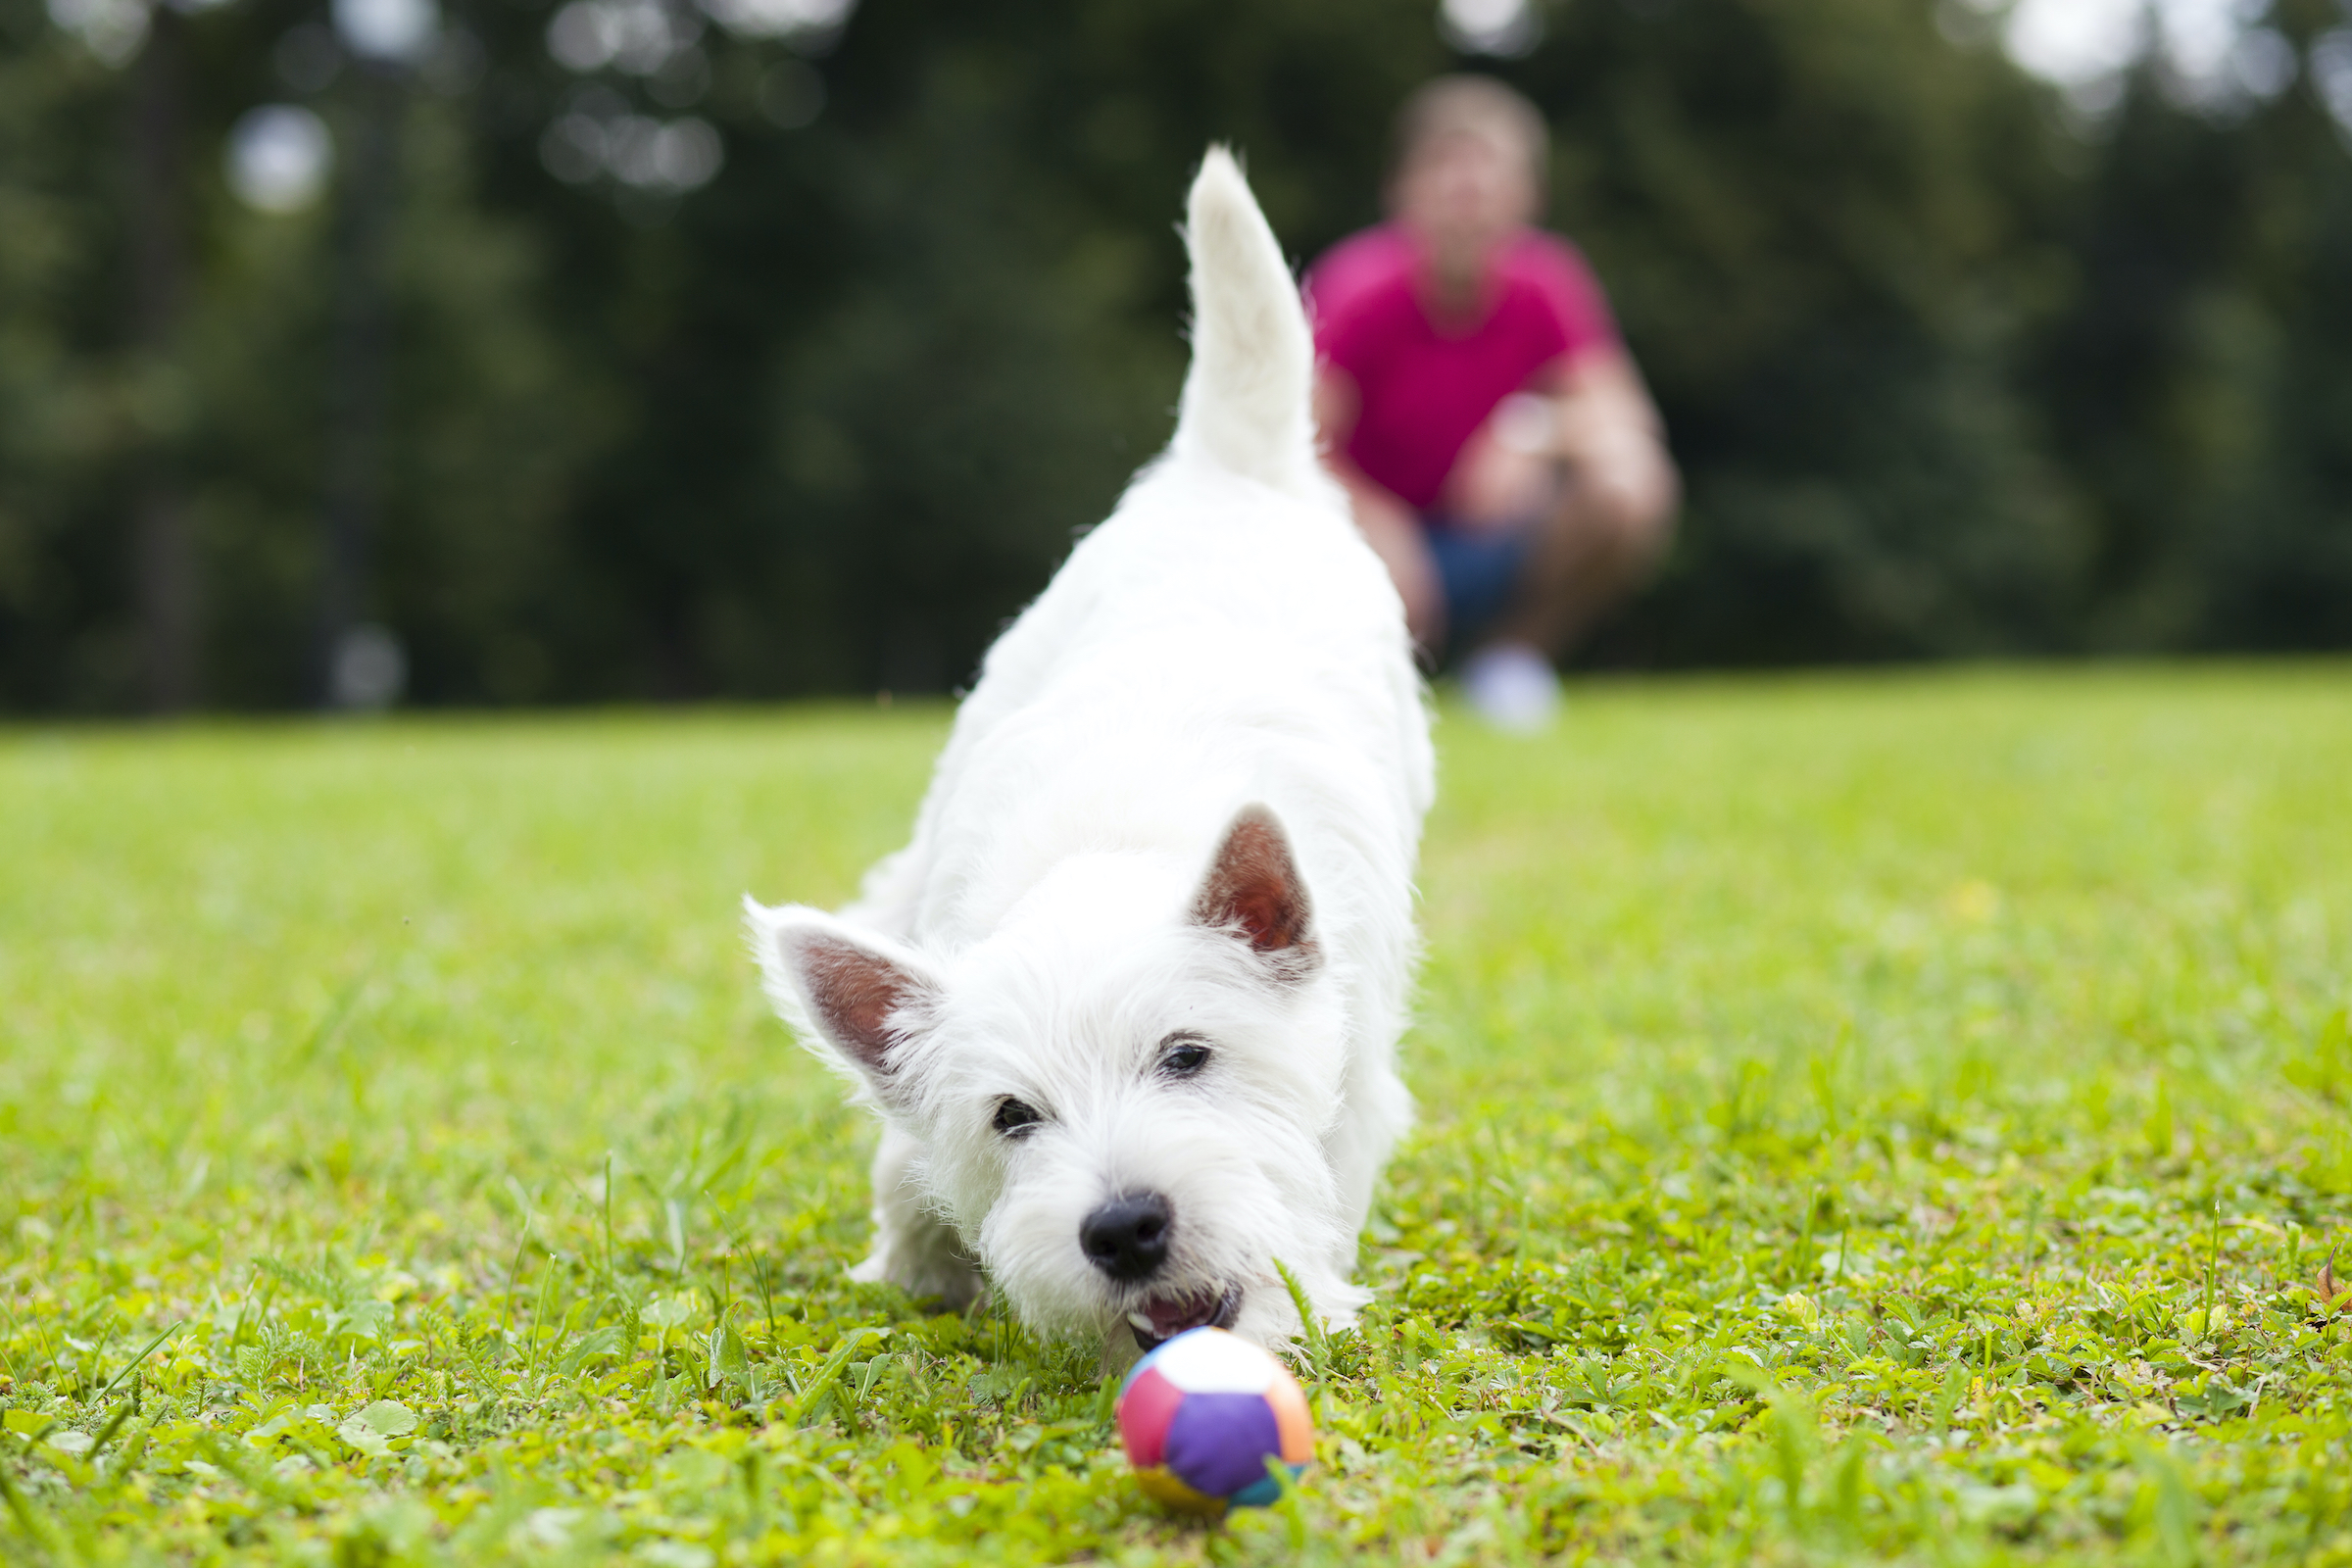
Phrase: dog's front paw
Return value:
(925, 1270)
(1270, 1319)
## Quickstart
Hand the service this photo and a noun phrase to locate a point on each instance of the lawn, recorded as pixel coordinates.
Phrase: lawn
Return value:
(1889, 1117)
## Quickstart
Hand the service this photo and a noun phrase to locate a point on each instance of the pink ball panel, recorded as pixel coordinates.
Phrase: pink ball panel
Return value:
(1145, 1410)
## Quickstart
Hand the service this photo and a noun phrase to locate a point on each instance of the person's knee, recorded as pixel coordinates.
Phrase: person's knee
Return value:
(1644, 534)
(1424, 613)
(1395, 535)
(1630, 527)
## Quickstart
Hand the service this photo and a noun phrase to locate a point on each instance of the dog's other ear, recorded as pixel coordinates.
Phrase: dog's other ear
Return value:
(1253, 890)
(860, 995)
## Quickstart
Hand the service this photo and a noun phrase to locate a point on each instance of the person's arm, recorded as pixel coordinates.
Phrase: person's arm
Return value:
(1336, 405)
(1382, 517)
(1606, 430)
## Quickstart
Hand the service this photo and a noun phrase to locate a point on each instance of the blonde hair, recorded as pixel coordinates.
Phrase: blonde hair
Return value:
(1480, 106)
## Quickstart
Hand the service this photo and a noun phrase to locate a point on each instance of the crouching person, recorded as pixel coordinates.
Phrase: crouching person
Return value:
(1497, 443)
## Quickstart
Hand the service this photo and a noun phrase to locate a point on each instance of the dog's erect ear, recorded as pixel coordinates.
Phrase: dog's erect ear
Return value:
(1253, 890)
(862, 996)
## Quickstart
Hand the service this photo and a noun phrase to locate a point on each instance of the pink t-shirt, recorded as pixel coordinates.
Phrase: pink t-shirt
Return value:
(1423, 392)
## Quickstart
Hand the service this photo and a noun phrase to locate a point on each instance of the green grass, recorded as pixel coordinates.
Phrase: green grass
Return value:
(1863, 1118)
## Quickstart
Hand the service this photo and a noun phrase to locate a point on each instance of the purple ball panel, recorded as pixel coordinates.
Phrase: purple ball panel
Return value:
(1219, 1442)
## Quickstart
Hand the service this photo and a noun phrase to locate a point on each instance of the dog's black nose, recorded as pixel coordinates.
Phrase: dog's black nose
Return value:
(1127, 1238)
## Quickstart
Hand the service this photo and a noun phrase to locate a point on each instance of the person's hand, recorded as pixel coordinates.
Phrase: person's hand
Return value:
(1508, 470)
(1613, 457)
(1605, 430)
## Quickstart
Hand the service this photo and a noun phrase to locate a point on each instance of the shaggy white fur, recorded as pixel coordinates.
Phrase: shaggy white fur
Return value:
(1129, 1000)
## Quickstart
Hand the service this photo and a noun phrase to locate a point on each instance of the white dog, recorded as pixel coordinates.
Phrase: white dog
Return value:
(1128, 1003)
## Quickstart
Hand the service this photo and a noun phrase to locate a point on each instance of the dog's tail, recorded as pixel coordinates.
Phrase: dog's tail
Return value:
(1245, 400)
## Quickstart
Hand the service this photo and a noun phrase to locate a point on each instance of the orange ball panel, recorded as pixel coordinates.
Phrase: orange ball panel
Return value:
(1292, 1420)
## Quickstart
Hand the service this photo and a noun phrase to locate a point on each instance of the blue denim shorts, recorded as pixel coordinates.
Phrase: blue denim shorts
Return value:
(1477, 569)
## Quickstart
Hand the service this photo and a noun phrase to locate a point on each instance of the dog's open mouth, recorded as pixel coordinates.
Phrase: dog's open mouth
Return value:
(1163, 1317)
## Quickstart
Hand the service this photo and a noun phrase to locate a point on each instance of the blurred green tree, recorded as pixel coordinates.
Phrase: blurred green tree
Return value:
(2197, 383)
(1826, 227)
(775, 346)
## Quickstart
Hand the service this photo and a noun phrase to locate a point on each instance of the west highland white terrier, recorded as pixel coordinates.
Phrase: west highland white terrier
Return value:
(1128, 1003)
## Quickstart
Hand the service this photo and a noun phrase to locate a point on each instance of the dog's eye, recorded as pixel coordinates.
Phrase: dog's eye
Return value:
(1016, 1118)
(1183, 1056)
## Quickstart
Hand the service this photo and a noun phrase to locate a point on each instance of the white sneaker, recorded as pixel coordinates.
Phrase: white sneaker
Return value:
(1512, 687)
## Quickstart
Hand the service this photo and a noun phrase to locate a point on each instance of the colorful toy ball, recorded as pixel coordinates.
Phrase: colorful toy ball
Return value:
(1202, 1413)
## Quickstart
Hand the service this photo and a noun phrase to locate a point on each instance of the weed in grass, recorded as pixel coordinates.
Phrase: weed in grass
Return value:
(1861, 1119)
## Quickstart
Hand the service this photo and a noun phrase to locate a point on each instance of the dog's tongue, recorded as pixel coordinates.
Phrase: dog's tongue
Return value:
(1173, 1315)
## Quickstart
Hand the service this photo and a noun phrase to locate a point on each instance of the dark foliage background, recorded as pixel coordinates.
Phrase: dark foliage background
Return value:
(1953, 367)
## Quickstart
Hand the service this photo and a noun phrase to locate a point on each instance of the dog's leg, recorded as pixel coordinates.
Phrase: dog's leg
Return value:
(886, 899)
(912, 1249)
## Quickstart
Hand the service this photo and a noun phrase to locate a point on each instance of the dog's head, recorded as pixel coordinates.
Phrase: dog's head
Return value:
(1122, 1092)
